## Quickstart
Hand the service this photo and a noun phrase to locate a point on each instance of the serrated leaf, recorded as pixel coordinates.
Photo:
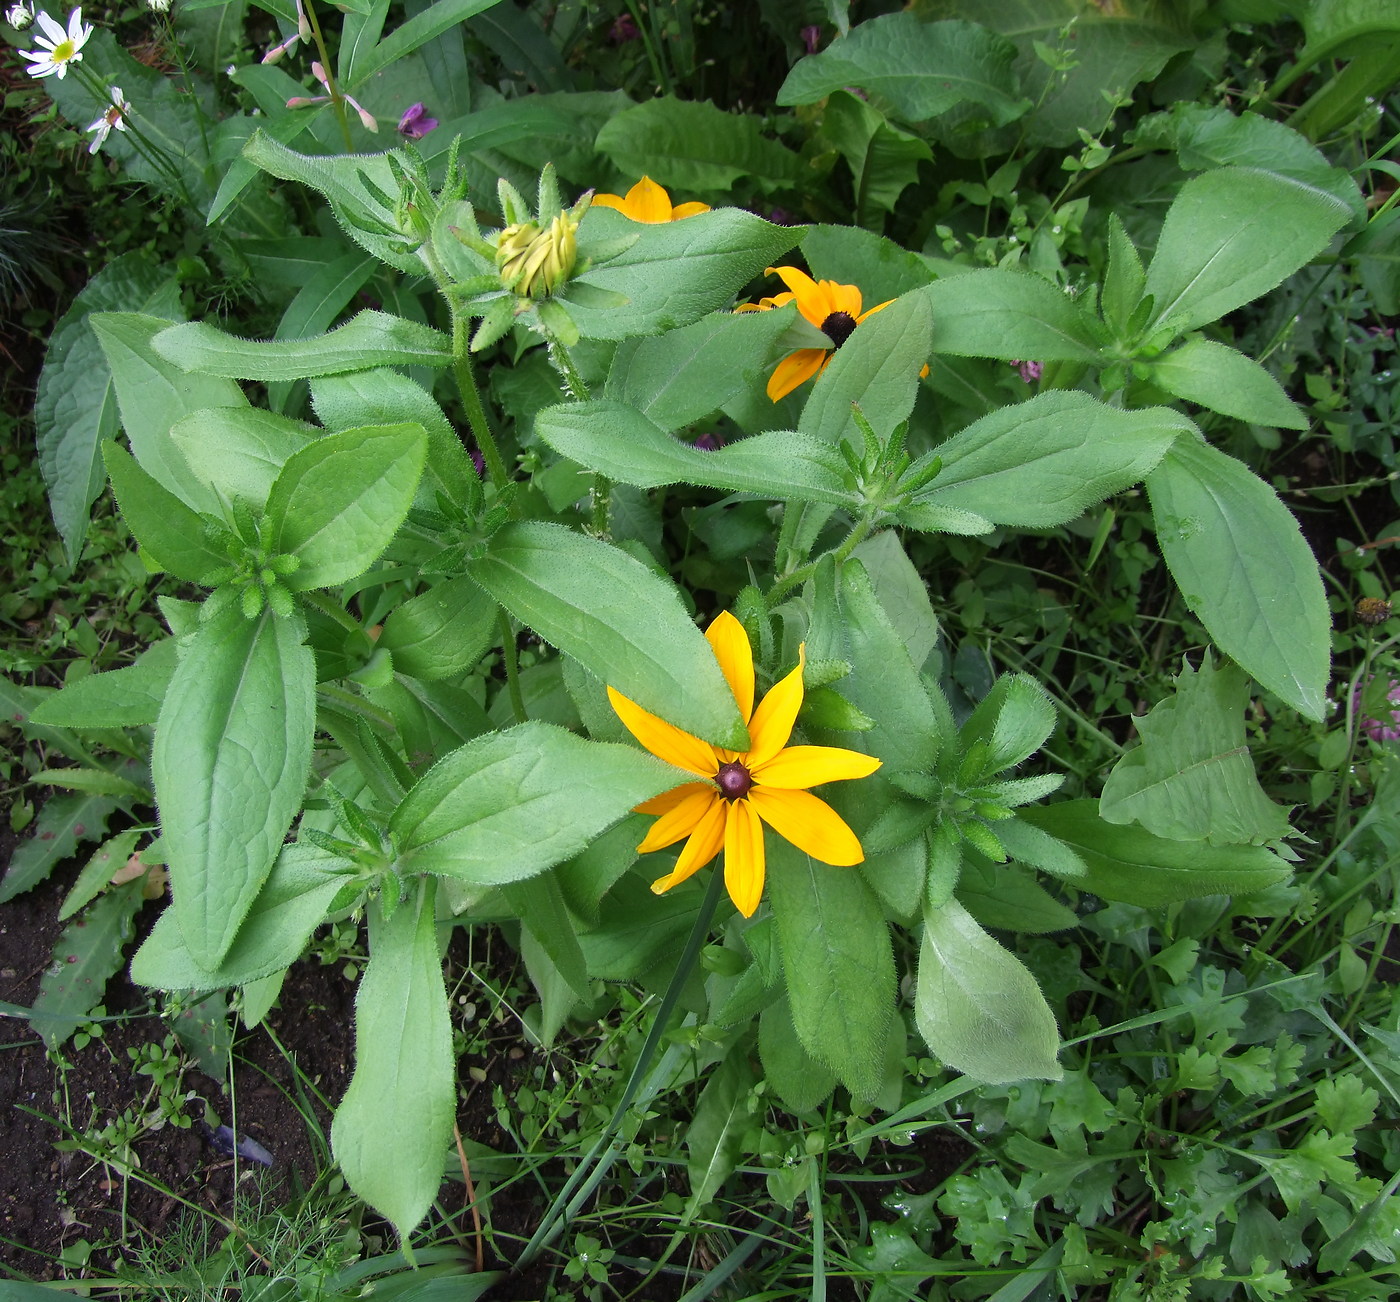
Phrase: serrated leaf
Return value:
(119, 698)
(63, 823)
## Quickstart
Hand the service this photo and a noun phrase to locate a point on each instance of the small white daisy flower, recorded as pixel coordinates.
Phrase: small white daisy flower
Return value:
(60, 48)
(158, 6)
(113, 118)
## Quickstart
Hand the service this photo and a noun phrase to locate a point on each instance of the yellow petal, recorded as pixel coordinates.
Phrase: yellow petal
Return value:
(810, 824)
(610, 201)
(688, 210)
(682, 818)
(771, 725)
(812, 299)
(705, 842)
(800, 767)
(743, 857)
(730, 643)
(668, 800)
(648, 202)
(796, 368)
(663, 740)
(845, 298)
(879, 307)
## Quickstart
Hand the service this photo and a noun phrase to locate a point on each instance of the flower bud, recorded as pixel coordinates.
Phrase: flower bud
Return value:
(534, 262)
(19, 16)
(1373, 610)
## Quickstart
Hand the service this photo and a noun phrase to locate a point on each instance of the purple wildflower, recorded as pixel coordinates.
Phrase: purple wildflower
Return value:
(1387, 729)
(1030, 371)
(811, 38)
(710, 441)
(415, 123)
(624, 29)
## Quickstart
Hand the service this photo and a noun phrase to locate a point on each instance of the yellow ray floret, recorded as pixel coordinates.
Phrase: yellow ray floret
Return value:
(648, 202)
(739, 791)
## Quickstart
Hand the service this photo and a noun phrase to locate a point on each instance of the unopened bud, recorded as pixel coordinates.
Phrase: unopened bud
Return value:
(19, 16)
(1372, 611)
(534, 262)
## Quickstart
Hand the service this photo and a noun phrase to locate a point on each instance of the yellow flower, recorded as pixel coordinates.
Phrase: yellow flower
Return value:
(742, 790)
(833, 308)
(648, 202)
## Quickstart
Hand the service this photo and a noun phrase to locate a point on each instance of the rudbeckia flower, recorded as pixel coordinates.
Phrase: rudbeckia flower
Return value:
(648, 202)
(739, 791)
(833, 308)
(60, 47)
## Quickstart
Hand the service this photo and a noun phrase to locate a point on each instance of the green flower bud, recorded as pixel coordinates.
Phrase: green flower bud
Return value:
(534, 262)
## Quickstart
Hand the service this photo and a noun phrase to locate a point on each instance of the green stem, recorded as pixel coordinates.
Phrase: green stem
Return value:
(799, 576)
(606, 1150)
(600, 494)
(337, 99)
(517, 699)
(471, 400)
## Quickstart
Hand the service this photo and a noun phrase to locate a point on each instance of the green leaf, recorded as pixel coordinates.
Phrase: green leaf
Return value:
(977, 1007)
(1132, 865)
(998, 312)
(1007, 898)
(1044, 461)
(1219, 377)
(240, 450)
(510, 804)
(173, 534)
(878, 267)
(900, 590)
(714, 1140)
(442, 632)
(1245, 570)
(392, 1129)
(1192, 778)
(1014, 720)
(676, 378)
(367, 339)
(152, 395)
(1377, 254)
(621, 443)
(919, 69)
(96, 875)
(617, 618)
(291, 904)
(87, 955)
(674, 273)
(884, 160)
(75, 406)
(877, 369)
(838, 963)
(416, 32)
(63, 823)
(232, 751)
(539, 904)
(339, 501)
(119, 698)
(384, 397)
(690, 145)
(799, 1080)
(1124, 280)
(1232, 235)
(1333, 27)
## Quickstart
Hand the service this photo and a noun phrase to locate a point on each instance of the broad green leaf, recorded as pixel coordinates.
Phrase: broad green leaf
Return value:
(1131, 864)
(640, 932)
(901, 592)
(442, 632)
(1232, 235)
(877, 369)
(368, 339)
(799, 1080)
(1014, 720)
(998, 312)
(416, 32)
(589, 875)
(1377, 254)
(363, 217)
(240, 450)
(119, 698)
(977, 1007)
(1245, 570)
(1192, 778)
(392, 1129)
(173, 534)
(1007, 898)
(1207, 136)
(290, 906)
(919, 69)
(75, 406)
(339, 501)
(384, 397)
(675, 272)
(878, 267)
(683, 375)
(1046, 460)
(884, 160)
(63, 823)
(510, 804)
(152, 395)
(86, 956)
(617, 618)
(620, 442)
(1217, 376)
(838, 964)
(540, 905)
(230, 761)
(1334, 27)
(714, 1140)
(692, 145)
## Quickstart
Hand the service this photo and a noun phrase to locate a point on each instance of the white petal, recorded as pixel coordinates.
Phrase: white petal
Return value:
(52, 30)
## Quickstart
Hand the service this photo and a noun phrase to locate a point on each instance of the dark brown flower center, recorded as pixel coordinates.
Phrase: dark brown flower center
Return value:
(734, 780)
(838, 326)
